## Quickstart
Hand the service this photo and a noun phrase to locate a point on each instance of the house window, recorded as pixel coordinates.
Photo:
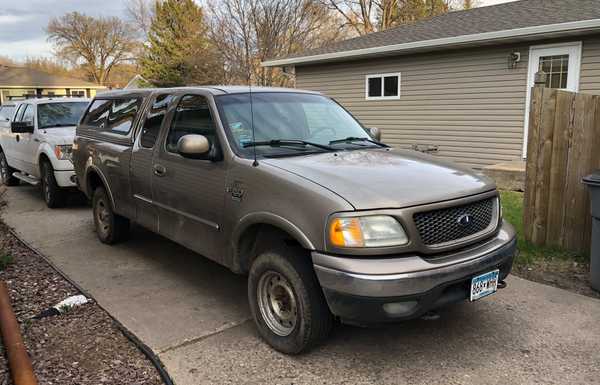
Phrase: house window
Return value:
(78, 93)
(383, 86)
(556, 68)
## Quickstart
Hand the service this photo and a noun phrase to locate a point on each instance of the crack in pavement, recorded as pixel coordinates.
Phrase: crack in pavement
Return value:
(190, 341)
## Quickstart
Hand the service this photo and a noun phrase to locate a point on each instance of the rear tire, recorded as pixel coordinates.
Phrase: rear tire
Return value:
(287, 302)
(6, 177)
(110, 227)
(53, 194)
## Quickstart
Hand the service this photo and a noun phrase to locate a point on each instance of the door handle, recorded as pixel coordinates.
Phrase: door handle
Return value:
(18, 138)
(159, 170)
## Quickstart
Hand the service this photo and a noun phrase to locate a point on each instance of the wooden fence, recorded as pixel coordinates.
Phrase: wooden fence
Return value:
(563, 147)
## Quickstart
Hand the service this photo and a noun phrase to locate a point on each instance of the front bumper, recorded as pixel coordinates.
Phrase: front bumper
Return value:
(65, 178)
(374, 290)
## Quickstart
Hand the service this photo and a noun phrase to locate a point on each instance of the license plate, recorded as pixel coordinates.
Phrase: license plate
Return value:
(484, 285)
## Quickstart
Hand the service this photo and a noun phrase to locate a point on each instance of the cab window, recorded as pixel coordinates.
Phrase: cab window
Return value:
(191, 117)
(154, 120)
(122, 114)
(97, 113)
(28, 114)
(6, 112)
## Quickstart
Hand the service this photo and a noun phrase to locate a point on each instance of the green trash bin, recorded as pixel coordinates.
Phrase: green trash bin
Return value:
(593, 183)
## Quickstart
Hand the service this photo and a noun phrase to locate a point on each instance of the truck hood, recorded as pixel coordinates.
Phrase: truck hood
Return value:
(386, 178)
(58, 135)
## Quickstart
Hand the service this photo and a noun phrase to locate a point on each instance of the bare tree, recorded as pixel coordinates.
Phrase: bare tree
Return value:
(94, 44)
(367, 16)
(140, 13)
(248, 32)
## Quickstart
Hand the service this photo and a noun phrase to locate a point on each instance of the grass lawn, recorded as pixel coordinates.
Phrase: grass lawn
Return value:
(512, 208)
(548, 265)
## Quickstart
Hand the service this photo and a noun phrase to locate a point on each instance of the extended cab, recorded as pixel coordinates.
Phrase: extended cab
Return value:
(287, 187)
(36, 143)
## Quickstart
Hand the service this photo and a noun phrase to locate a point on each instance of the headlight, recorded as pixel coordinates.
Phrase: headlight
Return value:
(368, 231)
(64, 152)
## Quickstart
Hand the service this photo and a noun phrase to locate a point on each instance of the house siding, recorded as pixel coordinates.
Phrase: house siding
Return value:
(467, 102)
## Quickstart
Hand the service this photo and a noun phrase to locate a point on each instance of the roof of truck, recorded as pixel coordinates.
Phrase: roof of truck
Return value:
(51, 100)
(215, 90)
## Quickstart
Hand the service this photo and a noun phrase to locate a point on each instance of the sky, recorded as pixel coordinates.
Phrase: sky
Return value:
(22, 22)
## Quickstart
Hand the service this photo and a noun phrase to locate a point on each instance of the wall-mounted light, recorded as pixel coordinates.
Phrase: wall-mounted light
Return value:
(513, 59)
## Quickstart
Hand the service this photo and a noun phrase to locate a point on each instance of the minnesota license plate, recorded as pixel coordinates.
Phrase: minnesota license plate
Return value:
(484, 285)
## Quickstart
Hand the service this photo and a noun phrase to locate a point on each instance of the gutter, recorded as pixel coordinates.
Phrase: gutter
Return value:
(573, 26)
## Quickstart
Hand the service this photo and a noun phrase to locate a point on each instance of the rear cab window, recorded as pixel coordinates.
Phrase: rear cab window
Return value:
(6, 112)
(115, 115)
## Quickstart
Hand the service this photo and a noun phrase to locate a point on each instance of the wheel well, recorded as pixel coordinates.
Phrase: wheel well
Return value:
(93, 182)
(43, 158)
(256, 239)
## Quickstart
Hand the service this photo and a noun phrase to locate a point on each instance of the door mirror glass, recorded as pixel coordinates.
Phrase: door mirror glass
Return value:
(193, 146)
(21, 127)
(375, 133)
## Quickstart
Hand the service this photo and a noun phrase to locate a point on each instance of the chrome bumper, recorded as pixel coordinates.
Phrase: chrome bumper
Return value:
(411, 275)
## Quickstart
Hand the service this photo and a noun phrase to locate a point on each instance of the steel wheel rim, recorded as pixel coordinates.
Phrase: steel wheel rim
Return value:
(102, 217)
(277, 303)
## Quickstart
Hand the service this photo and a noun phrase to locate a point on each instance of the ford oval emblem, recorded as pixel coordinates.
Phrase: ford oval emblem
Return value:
(465, 220)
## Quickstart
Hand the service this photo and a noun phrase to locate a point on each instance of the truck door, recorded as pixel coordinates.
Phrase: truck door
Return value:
(25, 146)
(141, 160)
(189, 193)
(9, 138)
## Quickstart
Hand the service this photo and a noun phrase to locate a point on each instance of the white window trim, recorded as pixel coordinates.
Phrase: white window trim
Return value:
(394, 97)
(574, 49)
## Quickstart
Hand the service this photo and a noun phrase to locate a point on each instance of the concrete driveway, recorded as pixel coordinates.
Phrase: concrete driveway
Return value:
(193, 314)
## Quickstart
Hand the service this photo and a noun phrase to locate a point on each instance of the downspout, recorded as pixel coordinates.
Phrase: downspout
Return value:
(18, 359)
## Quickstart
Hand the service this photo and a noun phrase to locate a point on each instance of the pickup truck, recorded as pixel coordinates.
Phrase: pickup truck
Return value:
(289, 188)
(36, 143)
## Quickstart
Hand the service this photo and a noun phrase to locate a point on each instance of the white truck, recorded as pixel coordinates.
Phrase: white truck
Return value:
(36, 144)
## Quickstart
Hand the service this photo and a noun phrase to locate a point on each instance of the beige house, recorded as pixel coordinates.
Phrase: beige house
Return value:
(458, 84)
(17, 83)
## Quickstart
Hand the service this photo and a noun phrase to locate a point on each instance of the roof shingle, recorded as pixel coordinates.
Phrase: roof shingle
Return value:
(27, 77)
(501, 17)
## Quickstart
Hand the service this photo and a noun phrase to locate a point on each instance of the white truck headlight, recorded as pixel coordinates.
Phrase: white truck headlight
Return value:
(64, 152)
(367, 231)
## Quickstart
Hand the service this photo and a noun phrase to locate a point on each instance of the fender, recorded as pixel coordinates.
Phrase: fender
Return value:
(44, 149)
(89, 167)
(270, 219)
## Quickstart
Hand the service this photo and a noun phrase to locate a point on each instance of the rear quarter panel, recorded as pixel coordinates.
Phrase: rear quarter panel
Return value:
(108, 155)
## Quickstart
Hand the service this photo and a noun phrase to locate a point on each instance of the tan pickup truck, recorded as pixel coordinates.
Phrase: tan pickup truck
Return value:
(287, 187)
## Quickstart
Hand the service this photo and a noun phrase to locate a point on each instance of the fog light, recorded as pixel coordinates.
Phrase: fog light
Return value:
(400, 308)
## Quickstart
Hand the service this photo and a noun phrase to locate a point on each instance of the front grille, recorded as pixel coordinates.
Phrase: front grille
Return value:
(441, 226)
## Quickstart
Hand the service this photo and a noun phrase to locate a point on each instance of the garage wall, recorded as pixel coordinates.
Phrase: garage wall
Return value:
(466, 102)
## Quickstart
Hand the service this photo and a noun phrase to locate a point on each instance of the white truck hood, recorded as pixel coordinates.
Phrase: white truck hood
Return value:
(57, 135)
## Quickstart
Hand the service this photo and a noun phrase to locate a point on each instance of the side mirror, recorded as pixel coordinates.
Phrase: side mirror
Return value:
(21, 127)
(193, 146)
(375, 133)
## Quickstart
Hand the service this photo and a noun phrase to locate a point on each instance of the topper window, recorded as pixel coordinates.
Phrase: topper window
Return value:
(382, 86)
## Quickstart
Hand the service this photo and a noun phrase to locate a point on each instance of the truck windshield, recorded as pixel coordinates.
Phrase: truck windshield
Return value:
(60, 114)
(285, 121)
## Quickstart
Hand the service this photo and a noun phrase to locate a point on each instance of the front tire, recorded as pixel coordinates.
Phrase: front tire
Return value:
(6, 177)
(110, 227)
(287, 302)
(53, 194)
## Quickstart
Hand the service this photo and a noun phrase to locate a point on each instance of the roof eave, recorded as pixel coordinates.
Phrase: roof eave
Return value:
(447, 42)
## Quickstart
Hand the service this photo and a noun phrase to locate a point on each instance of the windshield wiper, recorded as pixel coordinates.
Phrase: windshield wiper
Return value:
(352, 139)
(288, 142)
